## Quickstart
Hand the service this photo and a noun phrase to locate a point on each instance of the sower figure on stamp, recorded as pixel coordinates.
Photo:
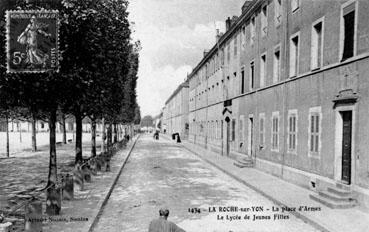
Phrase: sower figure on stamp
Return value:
(29, 37)
(162, 224)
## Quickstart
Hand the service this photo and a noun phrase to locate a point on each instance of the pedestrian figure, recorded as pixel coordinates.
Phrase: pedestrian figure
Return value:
(162, 224)
(156, 135)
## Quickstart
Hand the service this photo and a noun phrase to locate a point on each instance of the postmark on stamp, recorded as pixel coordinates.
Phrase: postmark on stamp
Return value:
(32, 41)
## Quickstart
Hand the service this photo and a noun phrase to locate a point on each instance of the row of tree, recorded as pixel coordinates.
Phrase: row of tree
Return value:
(97, 77)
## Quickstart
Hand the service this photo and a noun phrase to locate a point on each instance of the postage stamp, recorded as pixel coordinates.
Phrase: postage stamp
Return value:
(32, 41)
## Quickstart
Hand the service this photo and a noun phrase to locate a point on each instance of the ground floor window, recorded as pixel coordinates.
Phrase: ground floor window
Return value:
(275, 131)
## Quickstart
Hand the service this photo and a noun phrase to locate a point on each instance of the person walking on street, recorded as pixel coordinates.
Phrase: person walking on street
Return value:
(162, 224)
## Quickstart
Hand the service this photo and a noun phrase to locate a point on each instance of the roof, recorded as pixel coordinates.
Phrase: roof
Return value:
(245, 15)
(183, 85)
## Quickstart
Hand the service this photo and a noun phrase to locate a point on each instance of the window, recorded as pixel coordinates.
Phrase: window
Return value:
(243, 38)
(316, 45)
(222, 56)
(275, 131)
(295, 4)
(261, 131)
(262, 70)
(228, 53)
(264, 21)
(233, 129)
(277, 12)
(240, 130)
(235, 41)
(349, 31)
(252, 30)
(294, 55)
(276, 65)
(314, 130)
(242, 81)
(252, 75)
(292, 131)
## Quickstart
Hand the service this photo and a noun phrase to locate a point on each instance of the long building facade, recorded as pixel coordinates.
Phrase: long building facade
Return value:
(287, 85)
(175, 112)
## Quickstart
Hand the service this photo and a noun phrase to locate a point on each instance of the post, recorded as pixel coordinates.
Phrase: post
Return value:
(103, 136)
(34, 143)
(53, 194)
(93, 137)
(68, 186)
(64, 130)
(78, 176)
(33, 217)
(7, 136)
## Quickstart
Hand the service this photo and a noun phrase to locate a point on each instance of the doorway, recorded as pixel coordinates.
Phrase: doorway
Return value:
(227, 137)
(346, 145)
(250, 136)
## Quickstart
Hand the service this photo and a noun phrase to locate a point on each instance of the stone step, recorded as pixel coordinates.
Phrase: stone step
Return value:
(343, 186)
(339, 192)
(336, 197)
(332, 204)
(240, 165)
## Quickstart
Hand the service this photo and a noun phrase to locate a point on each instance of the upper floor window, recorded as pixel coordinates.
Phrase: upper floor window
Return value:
(317, 45)
(295, 4)
(348, 35)
(222, 56)
(262, 70)
(277, 12)
(252, 30)
(235, 41)
(252, 75)
(228, 53)
(276, 64)
(264, 21)
(294, 55)
(242, 81)
(243, 38)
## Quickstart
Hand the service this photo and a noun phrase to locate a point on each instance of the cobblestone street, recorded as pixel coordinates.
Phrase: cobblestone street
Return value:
(163, 174)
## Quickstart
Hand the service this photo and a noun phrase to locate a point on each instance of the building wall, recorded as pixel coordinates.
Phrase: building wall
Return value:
(310, 91)
(175, 113)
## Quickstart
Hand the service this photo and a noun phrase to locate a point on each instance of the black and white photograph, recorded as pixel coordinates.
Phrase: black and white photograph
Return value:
(184, 115)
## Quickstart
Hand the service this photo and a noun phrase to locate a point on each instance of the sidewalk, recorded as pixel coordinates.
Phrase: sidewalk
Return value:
(81, 213)
(283, 193)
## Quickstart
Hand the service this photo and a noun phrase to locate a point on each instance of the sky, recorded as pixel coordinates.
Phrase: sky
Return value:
(173, 36)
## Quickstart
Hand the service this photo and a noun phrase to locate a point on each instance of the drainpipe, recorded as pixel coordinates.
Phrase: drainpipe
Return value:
(286, 74)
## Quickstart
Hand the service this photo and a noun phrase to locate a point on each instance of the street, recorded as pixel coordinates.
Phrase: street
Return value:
(161, 173)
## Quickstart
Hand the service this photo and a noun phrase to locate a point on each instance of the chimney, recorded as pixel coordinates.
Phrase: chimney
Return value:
(234, 19)
(217, 36)
(228, 23)
(246, 5)
(206, 51)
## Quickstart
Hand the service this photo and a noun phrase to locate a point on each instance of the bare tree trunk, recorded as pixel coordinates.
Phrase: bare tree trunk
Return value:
(109, 142)
(64, 129)
(34, 141)
(115, 133)
(52, 195)
(78, 148)
(103, 136)
(20, 131)
(93, 137)
(7, 135)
